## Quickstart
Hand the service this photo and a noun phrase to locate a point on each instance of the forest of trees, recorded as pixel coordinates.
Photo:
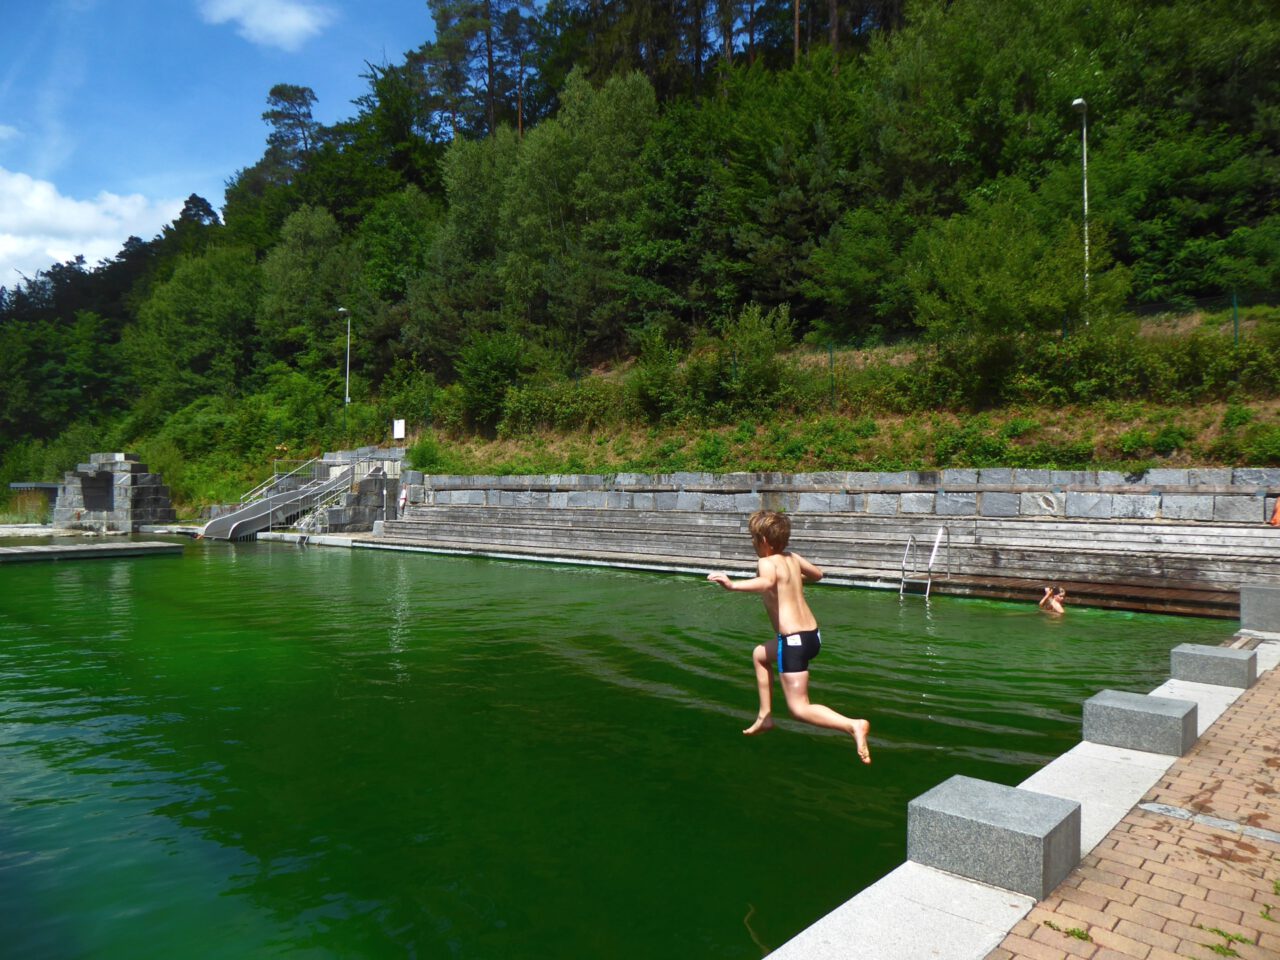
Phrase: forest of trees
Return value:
(543, 188)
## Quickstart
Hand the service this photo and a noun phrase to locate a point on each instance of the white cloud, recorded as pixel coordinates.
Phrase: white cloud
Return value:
(8, 133)
(40, 227)
(277, 23)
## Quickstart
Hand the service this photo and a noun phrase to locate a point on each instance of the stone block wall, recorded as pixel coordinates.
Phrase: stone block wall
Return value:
(112, 492)
(1240, 495)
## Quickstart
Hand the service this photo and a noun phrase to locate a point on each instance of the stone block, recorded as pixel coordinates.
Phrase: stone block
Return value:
(1260, 608)
(618, 500)
(1032, 478)
(592, 499)
(559, 500)
(905, 478)
(1137, 721)
(1041, 504)
(1072, 478)
(1209, 476)
(718, 503)
(959, 477)
(1221, 666)
(847, 502)
(1167, 477)
(689, 501)
(1092, 505)
(1002, 836)
(815, 503)
(1186, 507)
(882, 504)
(1111, 478)
(643, 500)
(1134, 506)
(996, 504)
(746, 502)
(956, 504)
(1239, 509)
(917, 503)
(1256, 476)
(664, 500)
(995, 477)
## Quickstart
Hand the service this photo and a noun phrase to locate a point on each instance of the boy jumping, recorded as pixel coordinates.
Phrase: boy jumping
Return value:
(780, 577)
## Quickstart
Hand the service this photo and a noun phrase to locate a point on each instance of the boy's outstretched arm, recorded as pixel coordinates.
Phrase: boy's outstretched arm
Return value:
(764, 580)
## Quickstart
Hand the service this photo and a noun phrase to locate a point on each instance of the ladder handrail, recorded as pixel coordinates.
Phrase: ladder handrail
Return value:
(909, 553)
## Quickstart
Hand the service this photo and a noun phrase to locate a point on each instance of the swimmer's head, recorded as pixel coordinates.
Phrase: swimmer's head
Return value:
(772, 528)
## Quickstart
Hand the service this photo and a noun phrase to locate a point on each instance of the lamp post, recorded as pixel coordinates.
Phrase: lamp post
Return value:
(1083, 107)
(346, 402)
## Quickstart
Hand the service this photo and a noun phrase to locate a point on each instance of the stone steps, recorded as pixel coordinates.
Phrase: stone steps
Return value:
(1171, 567)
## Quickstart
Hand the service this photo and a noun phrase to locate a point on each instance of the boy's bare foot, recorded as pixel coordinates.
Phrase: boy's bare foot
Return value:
(760, 726)
(860, 730)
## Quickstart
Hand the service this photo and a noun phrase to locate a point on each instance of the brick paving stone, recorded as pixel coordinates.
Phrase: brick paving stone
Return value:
(1157, 887)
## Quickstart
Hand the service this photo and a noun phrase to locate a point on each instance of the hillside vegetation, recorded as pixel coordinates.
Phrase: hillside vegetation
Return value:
(656, 237)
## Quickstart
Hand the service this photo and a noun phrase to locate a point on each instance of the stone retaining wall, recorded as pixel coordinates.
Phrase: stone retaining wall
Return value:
(1239, 495)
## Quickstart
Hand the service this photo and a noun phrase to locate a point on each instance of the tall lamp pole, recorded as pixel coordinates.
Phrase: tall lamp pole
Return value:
(346, 402)
(1083, 107)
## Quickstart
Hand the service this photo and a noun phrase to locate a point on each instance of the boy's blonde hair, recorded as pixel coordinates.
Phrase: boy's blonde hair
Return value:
(770, 527)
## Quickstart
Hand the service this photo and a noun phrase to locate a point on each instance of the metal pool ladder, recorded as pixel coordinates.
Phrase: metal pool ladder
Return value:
(911, 572)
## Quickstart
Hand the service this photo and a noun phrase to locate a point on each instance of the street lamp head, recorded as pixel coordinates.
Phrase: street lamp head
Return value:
(1079, 104)
(342, 311)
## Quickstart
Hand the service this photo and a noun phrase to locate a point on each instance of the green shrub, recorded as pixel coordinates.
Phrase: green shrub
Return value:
(740, 371)
(1170, 438)
(488, 366)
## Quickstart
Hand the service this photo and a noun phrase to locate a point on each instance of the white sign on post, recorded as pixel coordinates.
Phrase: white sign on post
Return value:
(397, 429)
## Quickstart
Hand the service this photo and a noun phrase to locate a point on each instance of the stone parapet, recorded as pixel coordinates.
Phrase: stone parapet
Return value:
(1220, 496)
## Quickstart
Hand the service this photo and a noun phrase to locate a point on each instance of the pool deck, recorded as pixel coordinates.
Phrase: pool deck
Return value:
(1172, 849)
(86, 551)
(1198, 857)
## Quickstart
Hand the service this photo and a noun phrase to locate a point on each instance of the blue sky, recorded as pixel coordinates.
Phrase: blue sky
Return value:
(113, 111)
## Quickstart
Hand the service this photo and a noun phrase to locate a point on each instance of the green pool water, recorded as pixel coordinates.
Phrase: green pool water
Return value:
(260, 751)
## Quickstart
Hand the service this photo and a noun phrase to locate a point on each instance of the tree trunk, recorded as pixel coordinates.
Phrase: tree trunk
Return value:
(833, 12)
(795, 11)
(488, 66)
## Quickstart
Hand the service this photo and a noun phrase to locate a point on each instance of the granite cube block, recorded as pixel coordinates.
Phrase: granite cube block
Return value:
(1260, 608)
(1222, 666)
(1136, 721)
(1003, 836)
(815, 503)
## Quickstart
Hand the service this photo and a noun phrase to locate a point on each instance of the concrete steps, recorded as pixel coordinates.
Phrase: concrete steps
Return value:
(1189, 567)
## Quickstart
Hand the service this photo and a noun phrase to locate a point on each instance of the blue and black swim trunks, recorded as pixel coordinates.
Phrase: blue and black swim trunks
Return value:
(795, 650)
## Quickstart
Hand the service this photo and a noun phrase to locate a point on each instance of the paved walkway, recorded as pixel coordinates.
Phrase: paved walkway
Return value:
(1194, 870)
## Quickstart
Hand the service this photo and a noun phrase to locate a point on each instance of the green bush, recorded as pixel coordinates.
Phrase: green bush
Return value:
(740, 371)
(489, 365)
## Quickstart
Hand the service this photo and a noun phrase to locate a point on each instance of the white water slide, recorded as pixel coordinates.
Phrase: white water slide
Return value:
(268, 505)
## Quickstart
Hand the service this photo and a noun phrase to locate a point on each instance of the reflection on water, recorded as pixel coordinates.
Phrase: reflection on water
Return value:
(270, 751)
